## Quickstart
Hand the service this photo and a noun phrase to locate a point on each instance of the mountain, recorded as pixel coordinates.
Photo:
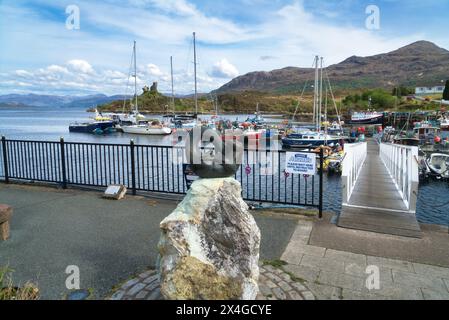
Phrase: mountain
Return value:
(35, 100)
(419, 64)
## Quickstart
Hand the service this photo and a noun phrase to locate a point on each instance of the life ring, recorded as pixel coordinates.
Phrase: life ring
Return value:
(223, 164)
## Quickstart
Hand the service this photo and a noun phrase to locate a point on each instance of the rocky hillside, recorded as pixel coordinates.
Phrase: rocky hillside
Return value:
(420, 63)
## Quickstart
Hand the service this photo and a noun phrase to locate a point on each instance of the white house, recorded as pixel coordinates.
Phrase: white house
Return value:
(429, 90)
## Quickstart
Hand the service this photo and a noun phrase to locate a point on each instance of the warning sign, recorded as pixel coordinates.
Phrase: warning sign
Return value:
(300, 163)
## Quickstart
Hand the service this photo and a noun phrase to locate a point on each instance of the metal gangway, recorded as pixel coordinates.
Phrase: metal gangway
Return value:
(380, 188)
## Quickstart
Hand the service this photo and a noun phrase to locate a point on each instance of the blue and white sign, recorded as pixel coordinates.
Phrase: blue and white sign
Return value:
(300, 163)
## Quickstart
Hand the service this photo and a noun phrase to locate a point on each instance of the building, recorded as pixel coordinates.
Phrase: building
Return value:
(429, 90)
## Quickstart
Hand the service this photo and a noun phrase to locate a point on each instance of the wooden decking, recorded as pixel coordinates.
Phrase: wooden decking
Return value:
(375, 204)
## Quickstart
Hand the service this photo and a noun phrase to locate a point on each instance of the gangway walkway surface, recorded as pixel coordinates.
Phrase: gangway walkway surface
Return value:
(376, 204)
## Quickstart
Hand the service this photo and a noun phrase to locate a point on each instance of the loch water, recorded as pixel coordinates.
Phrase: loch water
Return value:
(49, 124)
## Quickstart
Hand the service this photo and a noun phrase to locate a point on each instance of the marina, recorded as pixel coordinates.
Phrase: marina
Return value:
(48, 125)
(251, 151)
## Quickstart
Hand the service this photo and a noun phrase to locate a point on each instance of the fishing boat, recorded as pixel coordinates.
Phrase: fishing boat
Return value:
(257, 119)
(366, 118)
(155, 128)
(333, 128)
(438, 164)
(426, 131)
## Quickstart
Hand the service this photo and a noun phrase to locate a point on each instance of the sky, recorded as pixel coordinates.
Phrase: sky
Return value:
(44, 50)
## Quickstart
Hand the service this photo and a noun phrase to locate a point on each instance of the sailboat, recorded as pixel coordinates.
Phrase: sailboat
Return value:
(190, 121)
(153, 128)
(307, 138)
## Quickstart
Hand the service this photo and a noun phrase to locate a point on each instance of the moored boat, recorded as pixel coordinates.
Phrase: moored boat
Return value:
(97, 127)
(438, 164)
(308, 139)
(148, 129)
(366, 118)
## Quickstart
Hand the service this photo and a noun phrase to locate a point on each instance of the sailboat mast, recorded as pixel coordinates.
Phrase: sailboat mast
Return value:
(172, 85)
(194, 62)
(135, 76)
(315, 94)
(321, 95)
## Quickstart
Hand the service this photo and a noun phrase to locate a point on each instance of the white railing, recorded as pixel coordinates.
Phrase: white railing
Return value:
(402, 164)
(352, 165)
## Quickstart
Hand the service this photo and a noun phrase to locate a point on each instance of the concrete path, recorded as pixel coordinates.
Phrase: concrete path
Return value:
(110, 241)
(342, 275)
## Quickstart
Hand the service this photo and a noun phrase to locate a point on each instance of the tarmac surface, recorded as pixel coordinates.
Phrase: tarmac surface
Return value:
(110, 241)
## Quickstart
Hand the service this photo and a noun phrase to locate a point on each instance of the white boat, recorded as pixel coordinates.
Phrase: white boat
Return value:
(135, 123)
(133, 117)
(444, 124)
(147, 129)
(366, 118)
(438, 163)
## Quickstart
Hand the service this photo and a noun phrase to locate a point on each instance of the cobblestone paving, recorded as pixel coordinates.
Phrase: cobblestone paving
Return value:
(312, 272)
(274, 284)
(332, 274)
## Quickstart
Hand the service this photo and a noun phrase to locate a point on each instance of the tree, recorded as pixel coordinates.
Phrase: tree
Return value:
(446, 91)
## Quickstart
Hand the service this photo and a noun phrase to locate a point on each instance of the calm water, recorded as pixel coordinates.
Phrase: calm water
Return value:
(51, 124)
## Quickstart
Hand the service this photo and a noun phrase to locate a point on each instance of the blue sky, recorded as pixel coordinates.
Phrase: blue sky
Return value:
(39, 54)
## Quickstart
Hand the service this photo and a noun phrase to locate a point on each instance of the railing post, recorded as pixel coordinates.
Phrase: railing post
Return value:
(63, 163)
(5, 159)
(133, 169)
(320, 214)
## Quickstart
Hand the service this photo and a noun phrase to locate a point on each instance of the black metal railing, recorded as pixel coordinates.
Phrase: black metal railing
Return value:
(152, 168)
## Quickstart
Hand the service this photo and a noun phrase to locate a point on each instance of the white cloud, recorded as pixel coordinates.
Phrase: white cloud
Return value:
(288, 36)
(153, 70)
(57, 69)
(22, 73)
(81, 66)
(224, 69)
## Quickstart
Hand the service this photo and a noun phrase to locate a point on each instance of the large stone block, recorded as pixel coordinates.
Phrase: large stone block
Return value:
(209, 246)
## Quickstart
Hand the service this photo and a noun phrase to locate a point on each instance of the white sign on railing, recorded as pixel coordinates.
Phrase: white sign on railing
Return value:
(300, 163)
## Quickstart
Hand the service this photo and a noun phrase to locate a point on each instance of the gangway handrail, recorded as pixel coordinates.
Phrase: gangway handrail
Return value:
(403, 167)
(356, 154)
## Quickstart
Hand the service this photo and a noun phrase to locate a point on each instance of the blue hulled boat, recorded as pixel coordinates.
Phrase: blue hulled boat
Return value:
(95, 127)
(308, 139)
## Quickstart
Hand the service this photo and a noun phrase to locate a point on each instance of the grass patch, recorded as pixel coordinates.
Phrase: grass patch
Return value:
(9, 292)
(275, 263)
(295, 278)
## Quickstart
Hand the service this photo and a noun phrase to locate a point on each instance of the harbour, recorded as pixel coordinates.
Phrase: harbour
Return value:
(51, 124)
(250, 151)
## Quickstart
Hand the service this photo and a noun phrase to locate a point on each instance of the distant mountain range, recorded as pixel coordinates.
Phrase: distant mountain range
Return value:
(36, 100)
(419, 64)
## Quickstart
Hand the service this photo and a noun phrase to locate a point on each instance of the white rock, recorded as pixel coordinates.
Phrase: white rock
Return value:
(209, 247)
